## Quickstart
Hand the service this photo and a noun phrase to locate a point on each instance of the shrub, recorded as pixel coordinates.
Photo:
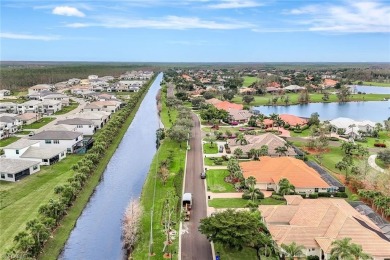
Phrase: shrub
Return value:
(225, 158)
(380, 145)
(324, 194)
(341, 195)
(297, 131)
(277, 197)
(218, 161)
(312, 257)
(333, 138)
(275, 193)
(246, 195)
(313, 196)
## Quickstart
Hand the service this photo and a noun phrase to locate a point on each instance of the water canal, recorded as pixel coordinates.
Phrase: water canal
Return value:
(97, 234)
(376, 111)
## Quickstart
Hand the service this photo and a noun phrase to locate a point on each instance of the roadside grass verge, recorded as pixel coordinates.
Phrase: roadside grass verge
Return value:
(216, 181)
(23, 132)
(208, 149)
(67, 109)
(20, 200)
(38, 124)
(9, 140)
(209, 162)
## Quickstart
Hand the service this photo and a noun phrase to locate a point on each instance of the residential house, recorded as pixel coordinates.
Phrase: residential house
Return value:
(69, 140)
(8, 107)
(294, 88)
(39, 95)
(99, 118)
(4, 92)
(108, 106)
(9, 125)
(90, 107)
(73, 81)
(50, 106)
(16, 169)
(92, 77)
(58, 97)
(39, 88)
(31, 106)
(213, 101)
(270, 170)
(329, 83)
(240, 116)
(226, 105)
(28, 118)
(315, 224)
(27, 149)
(247, 91)
(293, 120)
(87, 127)
(257, 141)
(351, 127)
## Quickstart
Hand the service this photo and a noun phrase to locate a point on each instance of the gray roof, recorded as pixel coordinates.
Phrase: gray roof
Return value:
(7, 119)
(42, 153)
(21, 143)
(56, 135)
(15, 165)
(75, 121)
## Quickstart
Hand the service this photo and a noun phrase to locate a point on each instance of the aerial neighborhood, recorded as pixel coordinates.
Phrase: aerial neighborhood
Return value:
(53, 120)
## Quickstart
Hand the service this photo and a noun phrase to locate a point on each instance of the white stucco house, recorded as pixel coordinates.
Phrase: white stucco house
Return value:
(16, 169)
(352, 127)
(69, 140)
(86, 126)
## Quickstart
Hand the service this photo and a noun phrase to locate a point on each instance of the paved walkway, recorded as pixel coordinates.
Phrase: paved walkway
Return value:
(371, 162)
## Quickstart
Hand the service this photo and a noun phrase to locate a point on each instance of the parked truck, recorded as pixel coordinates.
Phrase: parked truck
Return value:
(187, 205)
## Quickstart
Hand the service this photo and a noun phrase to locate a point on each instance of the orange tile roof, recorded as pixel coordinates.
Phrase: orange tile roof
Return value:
(293, 120)
(274, 84)
(226, 105)
(330, 82)
(273, 169)
(213, 101)
(317, 223)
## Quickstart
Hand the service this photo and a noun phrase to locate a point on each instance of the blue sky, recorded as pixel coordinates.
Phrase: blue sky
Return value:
(196, 30)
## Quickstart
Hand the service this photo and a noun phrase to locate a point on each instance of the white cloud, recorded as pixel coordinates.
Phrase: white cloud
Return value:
(17, 36)
(167, 22)
(67, 11)
(352, 17)
(229, 4)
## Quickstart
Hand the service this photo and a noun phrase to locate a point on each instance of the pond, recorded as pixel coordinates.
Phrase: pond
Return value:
(370, 89)
(97, 234)
(376, 111)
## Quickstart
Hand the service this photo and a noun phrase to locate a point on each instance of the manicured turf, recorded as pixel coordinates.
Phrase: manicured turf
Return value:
(245, 253)
(20, 200)
(314, 98)
(380, 163)
(207, 149)
(209, 162)
(24, 132)
(9, 140)
(271, 201)
(38, 124)
(383, 138)
(167, 119)
(371, 83)
(241, 203)
(249, 81)
(305, 133)
(216, 183)
(67, 109)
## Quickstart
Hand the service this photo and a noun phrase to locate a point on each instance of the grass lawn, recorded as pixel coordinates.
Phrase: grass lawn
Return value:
(38, 124)
(383, 138)
(24, 132)
(209, 162)
(9, 140)
(271, 201)
(380, 163)
(67, 109)
(210, 150)
(216, 181)
(249, 81)
(222, 129)
(167, 118)
(371, 83)
(305, 133)
(228, 203)
(20, 200)
(314, 98)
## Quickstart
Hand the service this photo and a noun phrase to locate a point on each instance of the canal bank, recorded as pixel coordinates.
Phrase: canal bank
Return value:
(85, 199)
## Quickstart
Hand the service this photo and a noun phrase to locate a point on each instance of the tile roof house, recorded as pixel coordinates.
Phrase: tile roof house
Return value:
(315, 224)
(257, 141)
(108, 106)
(226, 105)
(293, 120)
(39, 87)
(9, 125)
(86, 126)
(294, 88)
(270, 170)
(28, 118)
(329, 83)
(240, 116)
(99, 118)
(16, 169)
(213, 101)
(69, 140)
(8, 107)
(352, 127)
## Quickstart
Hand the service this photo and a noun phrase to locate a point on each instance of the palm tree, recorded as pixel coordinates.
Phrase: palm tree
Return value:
(238, 152)
(254, 192)
(352, 132)
(344, 249)
(293, 250)
(285, 187)
(281, 150)
(241, 139)
(264, 150)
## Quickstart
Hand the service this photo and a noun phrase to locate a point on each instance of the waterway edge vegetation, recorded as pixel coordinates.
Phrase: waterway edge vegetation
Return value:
(45, 236)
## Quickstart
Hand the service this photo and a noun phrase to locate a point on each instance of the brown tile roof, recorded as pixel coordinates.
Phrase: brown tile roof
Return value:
(330, 82)
(256, 141)
(213, 101)
(27, 116)
(226, 105)
(317, 223)
(273, 169)
(293, 120)
(239, 115)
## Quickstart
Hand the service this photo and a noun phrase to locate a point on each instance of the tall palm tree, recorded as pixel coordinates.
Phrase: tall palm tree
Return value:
(293, 250)
(357, 252)
(281, 150)
(264, 150)
(344, 249)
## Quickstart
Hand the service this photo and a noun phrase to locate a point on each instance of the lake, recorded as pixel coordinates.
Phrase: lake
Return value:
(370, 89)
(376, 111)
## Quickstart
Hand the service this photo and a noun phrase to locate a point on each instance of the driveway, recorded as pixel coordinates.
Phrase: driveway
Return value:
(194, 245)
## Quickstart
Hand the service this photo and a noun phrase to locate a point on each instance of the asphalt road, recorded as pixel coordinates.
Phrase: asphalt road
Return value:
(194, 245)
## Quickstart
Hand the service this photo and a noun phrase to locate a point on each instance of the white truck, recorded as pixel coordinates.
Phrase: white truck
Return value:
(187, 205)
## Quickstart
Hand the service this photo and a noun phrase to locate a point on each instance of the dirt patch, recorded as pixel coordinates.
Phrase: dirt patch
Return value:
(315, 151)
